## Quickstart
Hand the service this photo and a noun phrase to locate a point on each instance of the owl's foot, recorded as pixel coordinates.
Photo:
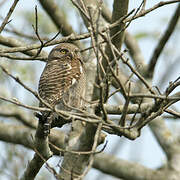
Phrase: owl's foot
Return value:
(46, 124)
(46, 128)
(39, 116)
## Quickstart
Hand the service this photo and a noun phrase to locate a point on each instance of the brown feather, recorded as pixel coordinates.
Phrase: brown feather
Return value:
(62, 79)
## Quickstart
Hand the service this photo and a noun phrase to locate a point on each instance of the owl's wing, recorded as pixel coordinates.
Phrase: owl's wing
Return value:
(57, 79)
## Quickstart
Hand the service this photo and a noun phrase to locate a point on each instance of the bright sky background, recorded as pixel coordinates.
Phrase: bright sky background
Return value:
(145, 149)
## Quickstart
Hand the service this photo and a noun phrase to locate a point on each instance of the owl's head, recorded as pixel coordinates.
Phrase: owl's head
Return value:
(64, 51)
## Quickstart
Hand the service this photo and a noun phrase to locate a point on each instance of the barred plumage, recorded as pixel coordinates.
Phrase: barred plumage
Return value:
(62, 82)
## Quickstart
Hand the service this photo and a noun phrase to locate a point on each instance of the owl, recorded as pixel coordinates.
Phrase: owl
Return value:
(62, 82)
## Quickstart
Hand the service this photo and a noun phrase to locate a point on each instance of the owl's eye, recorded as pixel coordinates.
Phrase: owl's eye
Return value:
(64, 51)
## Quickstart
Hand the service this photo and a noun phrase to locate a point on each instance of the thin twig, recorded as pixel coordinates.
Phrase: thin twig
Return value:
(71, 38)
(22, 57)
(8, 15)
(78, 152)
(126, 61)
(156, 6)
(174, 113)
(124, 113)
(38, 36)
(16, 102)
(138, 110)
(82, 10)
(114, 75)
(26, 87)
(162, 42)
(129, 22)
(144, 5)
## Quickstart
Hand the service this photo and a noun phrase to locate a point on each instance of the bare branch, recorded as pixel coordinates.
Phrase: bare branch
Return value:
(17, 46)
(144, 5)
(120, 9)
(23, 58)
(38, 36)
(132, 108)
(16, 102)
(8, 15)
(19, 116)
(124, 169)
(57, 16)
(174, 113)
(42, 154)
(95, 144)
(22, 135)
(161, 44)
(156, 6)
(130, 42)
(125, 108)
(80, 152)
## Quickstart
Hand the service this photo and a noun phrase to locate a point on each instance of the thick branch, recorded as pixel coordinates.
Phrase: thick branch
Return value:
(130, 42)
(22, 135)
(132, 108)
(42, 154)
(120, 9)
(167, 141)
(16, 134)
(81, 137)
(19, 116)
(124, 169)
(57, 16)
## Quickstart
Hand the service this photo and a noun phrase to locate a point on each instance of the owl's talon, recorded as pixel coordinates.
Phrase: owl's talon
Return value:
(47, 128)
(46, 133)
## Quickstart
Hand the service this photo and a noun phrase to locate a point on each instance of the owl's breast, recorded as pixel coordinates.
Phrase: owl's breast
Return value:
(62, 81)
(54, 81)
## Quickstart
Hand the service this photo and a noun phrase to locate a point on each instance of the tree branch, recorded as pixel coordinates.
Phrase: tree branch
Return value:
(132, 108)
(120, 9)
(81, 137)
(42, 154)
(57, 16)
(8, 15)
(161, 44)
(19, 116)
(130, 42)
(22, 135)
(17, 46)
(124, 169)
(156, 6)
